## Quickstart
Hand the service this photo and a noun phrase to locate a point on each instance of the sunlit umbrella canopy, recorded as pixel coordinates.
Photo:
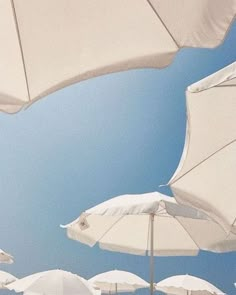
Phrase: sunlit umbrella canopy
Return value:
(117, 281)
(47, 45)
(148, 224)
(205, 178)
(187, 285)
(53, 282)
(5, 279)
(5, 257)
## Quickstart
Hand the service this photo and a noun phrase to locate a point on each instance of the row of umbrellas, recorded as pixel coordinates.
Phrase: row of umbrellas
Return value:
(62, 282)
(154, 224)
(149, 35)
(204, 217)
(158, 224)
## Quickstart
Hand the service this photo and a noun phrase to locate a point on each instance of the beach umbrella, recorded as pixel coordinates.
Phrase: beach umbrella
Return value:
(187, 285)
(118, 281)
(5, 257)
(148, 224)
(205, 177)
(53, 282)
(47, 45)
(6, 278)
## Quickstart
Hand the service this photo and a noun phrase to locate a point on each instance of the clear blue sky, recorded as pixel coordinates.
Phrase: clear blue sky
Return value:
(116, 134)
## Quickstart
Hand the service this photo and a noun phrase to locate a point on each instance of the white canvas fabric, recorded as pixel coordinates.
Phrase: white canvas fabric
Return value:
(123, 224)
(118, 281)
(47, 45)
(5, 279)
(187, 285)
(52, 282)
(205, 177)
(6, 257)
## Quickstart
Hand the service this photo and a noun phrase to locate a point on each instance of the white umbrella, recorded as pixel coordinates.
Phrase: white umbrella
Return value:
(6, 278)
(152, 224)
(205, 178)
(117, 281)
(47, 45)
(187, 285)
(53, 282)
(6, 257)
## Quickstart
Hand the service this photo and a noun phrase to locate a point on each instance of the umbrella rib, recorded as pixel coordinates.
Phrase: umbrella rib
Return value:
(21, 47)
(224, 85)
(204, 160)
(154, 10)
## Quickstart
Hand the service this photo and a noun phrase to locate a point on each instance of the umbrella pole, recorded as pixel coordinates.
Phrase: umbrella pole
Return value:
(151, 253)
(116, 288)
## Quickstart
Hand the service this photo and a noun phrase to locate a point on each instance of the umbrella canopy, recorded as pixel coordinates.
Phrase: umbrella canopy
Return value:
(6, 278)
(47, 45)
(187, 285)
(152, 224)
(118, 281)
(5, 257)
(53, 282)
(205, 178)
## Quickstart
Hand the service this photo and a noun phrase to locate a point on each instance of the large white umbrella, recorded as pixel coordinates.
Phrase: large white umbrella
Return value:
(118, 281)
(205, 178)
(47, 45)
(187, 285)
(148, 224)
(53, 282)
(5, 279)
(6, 257)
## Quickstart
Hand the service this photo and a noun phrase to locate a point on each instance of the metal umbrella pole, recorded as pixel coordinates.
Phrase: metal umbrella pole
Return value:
(151, 253)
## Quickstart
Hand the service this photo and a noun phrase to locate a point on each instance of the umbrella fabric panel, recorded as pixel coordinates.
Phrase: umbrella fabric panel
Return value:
(171, 239)
(53, 282)
(180, 284)
(129, 235)
(201, 23)
(50, 284)
(217, 198)
(22, 284)
(208, 235)
(118, 281)
(207, 111)
(64, 42)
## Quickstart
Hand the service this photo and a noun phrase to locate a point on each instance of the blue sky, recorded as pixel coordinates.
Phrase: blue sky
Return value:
(116, 134)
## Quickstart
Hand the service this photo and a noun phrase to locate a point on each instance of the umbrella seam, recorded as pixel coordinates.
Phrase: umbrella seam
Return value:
(168, 31)
(21, 47)
(204, 160)
(225, 85)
